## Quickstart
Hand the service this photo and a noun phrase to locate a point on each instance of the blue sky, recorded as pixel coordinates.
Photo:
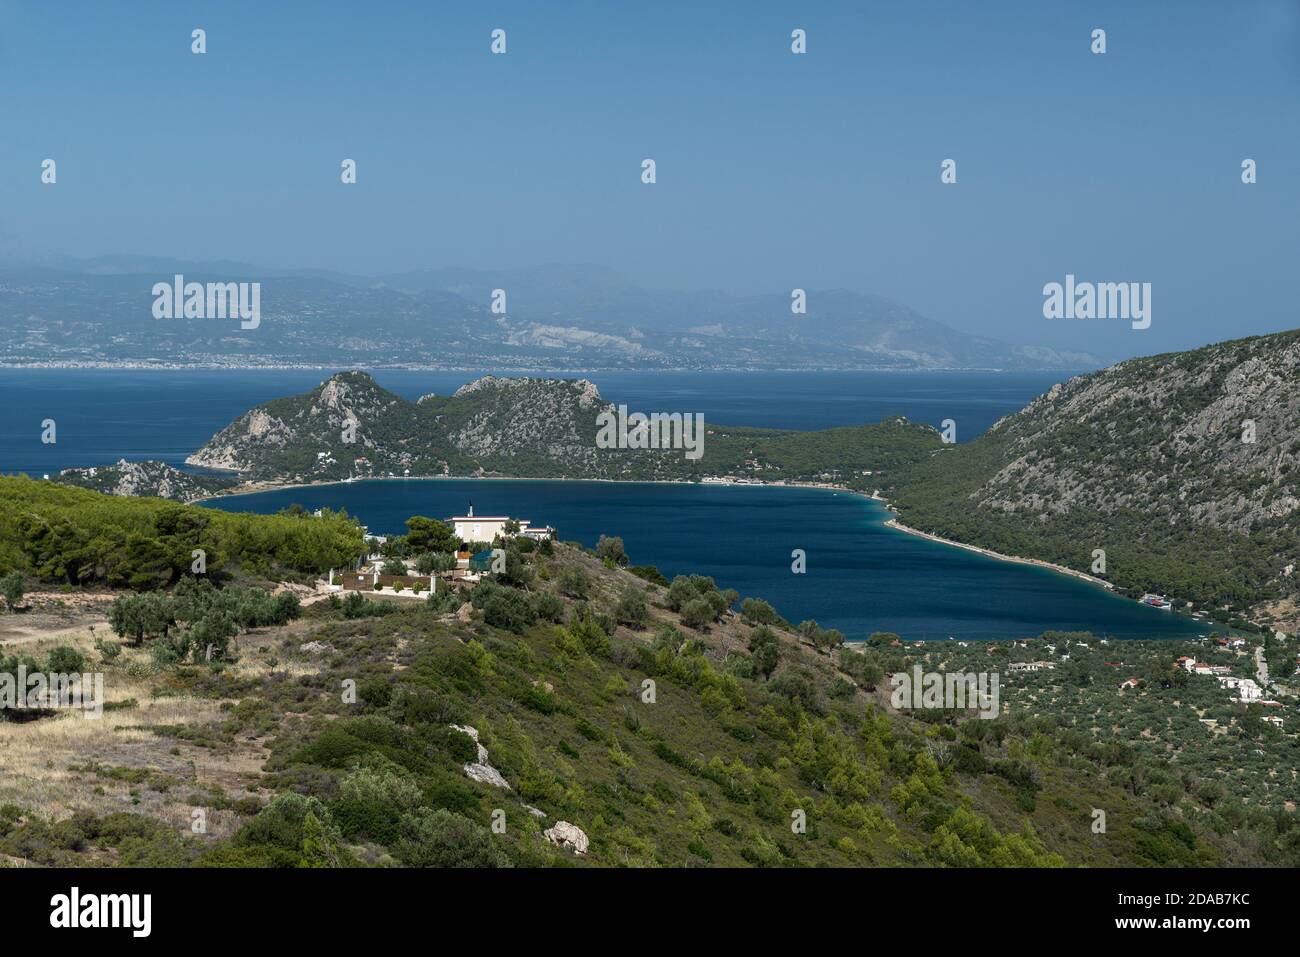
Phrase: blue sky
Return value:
(774, 170)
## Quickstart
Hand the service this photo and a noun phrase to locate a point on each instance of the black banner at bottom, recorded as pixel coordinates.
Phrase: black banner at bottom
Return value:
(339, 906)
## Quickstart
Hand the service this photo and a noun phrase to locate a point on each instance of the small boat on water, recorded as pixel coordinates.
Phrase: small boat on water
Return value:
(1158, 601)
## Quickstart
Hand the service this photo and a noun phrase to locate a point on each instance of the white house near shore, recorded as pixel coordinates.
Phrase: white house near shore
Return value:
(1246, 688)
(486, 528)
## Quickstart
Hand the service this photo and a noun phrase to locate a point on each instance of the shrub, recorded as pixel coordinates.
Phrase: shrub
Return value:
(504, 608)
(64, 660)
(548, 607)
(357, 605)
(11, 589)
(444, 600)
(758, 612)
(765, 650)
(697, 613)
(372, 800)
(375, 691)
(440, 838)
(631, 608)
(649, 573)
(574, 582)
(284, 835)
(587, 630)
(517, 572)
(610, 550)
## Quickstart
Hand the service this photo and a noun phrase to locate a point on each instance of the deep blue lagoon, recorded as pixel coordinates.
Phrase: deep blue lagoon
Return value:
(861, 576)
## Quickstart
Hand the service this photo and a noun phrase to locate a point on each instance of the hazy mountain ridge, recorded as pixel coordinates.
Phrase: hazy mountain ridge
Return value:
(1183, 468)
(557, 317)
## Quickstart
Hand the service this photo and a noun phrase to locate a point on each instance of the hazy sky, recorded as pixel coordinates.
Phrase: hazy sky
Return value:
(774, 170)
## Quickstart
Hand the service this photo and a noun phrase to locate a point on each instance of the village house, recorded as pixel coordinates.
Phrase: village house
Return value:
(1130, 683)
(488, 528)
(1031, 665)
(1246, 688)
(1202, 667)
(1274, 720)
(370, 580)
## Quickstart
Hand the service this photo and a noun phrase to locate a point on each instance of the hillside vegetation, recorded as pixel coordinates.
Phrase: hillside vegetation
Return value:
(59, 534)
(1183, 468)
(576, 694)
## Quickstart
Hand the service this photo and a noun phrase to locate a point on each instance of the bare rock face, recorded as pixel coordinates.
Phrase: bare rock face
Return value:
(487, 775)
(1189, 428)
(149, 478)
(568, 836)
(481, 770)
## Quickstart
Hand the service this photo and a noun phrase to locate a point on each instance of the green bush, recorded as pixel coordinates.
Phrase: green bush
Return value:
(631, 609)
(504, 608)
(548, 607)
(574, 582)
(441, 838)
(64, 660)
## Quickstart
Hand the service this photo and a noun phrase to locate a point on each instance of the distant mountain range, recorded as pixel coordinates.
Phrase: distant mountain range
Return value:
(99, 312)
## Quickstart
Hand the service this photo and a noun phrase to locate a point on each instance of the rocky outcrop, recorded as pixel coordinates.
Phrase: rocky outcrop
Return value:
(149, 478)
(481, 769)
(568, 836)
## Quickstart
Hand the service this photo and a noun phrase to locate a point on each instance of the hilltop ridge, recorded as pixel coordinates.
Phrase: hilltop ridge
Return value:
(521, 427)
(1183, 468)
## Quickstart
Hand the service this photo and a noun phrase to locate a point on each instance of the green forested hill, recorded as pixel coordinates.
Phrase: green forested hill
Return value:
(1183, 468)
(57, 533)
(523, 427)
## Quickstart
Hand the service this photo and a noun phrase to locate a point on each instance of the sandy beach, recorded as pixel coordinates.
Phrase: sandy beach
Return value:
(895, 523)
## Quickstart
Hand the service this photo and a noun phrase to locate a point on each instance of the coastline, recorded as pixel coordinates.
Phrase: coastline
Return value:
(891, 522)
(254, 488)
(896, 524)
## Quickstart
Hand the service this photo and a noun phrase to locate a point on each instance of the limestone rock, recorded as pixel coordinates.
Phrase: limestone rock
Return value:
(481, 769)
(568, 836)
